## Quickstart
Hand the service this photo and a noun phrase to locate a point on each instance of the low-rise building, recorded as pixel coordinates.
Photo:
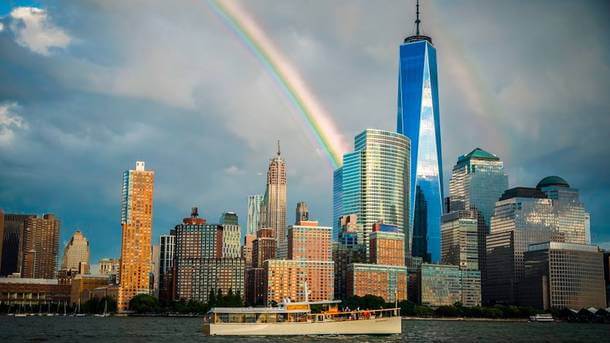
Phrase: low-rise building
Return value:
(386, 281)
(24, 291)
(444, 285)
(82, 284)
(111, 291)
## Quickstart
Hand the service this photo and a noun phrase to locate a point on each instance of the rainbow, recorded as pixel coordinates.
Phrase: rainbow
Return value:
(286, 76)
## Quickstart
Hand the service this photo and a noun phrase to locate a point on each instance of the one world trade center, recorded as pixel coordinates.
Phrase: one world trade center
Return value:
(418, 119)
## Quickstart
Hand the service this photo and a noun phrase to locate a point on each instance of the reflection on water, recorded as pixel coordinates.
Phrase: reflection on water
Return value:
(91, 329)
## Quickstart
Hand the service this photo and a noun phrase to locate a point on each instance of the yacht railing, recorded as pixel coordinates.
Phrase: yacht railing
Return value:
(299, 317)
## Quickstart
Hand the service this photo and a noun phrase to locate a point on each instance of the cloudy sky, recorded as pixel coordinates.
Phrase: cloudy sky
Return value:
(89, 87)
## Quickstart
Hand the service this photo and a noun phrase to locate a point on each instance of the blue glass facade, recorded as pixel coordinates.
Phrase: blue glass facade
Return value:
(418, 119)
(374, 182)
(337, 200)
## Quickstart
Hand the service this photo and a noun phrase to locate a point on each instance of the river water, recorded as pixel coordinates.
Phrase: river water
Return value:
(163, 329)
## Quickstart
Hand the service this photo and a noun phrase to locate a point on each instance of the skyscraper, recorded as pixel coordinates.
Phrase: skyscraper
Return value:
(375, 181)
(136, 225)
(301, 213)
(274, 202)
(525, 216)
(573, 219)
(254, 214)
(40, 247)
(76, 254)
(477, 182)
(419, 120)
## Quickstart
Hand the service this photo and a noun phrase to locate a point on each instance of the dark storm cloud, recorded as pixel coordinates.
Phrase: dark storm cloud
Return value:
(167, 83)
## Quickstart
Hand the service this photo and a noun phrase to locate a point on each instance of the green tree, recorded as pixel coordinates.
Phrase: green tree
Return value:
(407, 308)
(212, 301)
(144, 303)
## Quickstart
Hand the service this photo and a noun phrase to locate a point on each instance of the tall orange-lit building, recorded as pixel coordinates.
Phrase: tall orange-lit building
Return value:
(136, 225)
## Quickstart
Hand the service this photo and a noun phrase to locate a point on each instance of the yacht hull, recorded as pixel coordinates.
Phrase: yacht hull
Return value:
(378, 326)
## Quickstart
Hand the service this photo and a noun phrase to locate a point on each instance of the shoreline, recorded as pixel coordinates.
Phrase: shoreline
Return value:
(467, 319)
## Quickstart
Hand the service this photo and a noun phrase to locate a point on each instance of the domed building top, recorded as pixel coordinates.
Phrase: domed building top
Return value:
(552, 181)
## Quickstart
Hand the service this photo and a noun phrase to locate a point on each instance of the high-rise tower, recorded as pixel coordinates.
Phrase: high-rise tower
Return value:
(375, 181)
(136, 224)
(418, 119)
(40, 246)
(477, 182)
(274, 202)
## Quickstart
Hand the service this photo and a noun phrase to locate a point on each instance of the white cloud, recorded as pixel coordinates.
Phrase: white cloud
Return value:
(233, 170)
(34, 30)
(9, 122)
(1, 27)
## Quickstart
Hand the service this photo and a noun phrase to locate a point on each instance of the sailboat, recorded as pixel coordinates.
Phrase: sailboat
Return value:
(78, 314)
(19, 313)
(105, 314)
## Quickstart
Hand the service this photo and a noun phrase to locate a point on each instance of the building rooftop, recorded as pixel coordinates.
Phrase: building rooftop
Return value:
(552, 181)
(478, 154)
(522, 192)
(15, 280)
(562, 246)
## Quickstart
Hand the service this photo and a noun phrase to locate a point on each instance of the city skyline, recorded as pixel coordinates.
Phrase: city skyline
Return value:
(65, 119)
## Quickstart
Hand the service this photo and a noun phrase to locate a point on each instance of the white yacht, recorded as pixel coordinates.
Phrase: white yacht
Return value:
(297, 319)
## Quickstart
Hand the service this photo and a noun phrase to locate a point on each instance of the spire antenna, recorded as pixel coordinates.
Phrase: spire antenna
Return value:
(418, 35)
(278, 147)
(417, 21)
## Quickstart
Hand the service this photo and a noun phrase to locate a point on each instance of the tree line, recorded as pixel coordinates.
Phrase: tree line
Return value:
(148, 304)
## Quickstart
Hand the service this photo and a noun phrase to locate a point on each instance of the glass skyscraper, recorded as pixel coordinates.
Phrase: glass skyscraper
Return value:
(374, 181)
(524, 216)
(418, 119)
(477, 182)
